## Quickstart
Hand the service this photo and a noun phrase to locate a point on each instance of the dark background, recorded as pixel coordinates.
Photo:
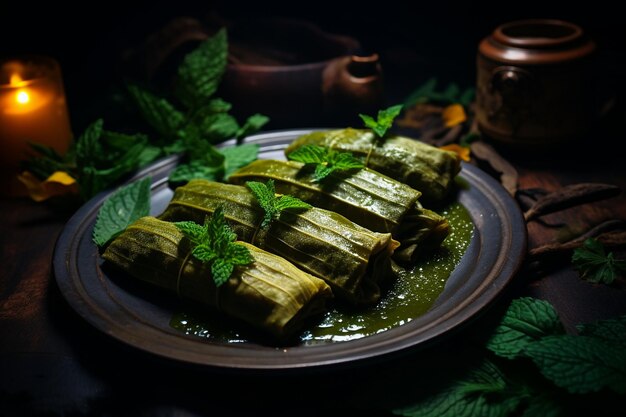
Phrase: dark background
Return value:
(416, 40)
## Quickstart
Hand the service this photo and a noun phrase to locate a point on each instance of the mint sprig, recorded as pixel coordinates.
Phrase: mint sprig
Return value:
(122, 208)
(326, 160)
(384, 120)
(214, 244)
(596, 265)
(273, 204)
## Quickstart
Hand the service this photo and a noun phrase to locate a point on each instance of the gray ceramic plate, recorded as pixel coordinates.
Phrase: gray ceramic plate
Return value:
(493, 257)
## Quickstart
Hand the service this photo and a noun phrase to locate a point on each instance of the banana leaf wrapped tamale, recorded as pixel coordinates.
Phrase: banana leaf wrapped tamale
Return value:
(366, 197)
(424, 167)
(270, 293)
(353, 260)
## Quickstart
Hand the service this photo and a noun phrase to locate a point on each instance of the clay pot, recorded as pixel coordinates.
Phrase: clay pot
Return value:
(535, 83)
(298, 74)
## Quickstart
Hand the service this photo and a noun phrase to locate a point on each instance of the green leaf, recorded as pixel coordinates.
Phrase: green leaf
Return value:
(543, 405)
(272, 204)
(159, 113)
(201, 71)
(88, 144)
(310, 154)
(480, 394)
(214, 244)
(239, 255)
(611, 330)
(195, 170)
(264, 194)
(252, 125)
(214, 127)
(239, 156)
(326, 160)
(203, 253)
(422, 93)
(122, 208)
(595, 265)
(221, 271)
(47, 161)
(526, 320)
(285, 202)
(467, 96)
(580, 364)
(193, 231)
(384, 119)
(484, 379)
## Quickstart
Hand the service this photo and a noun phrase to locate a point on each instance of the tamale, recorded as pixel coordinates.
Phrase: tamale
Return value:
(424, 167)
(270, 293)
(366, 197)
(353, 260)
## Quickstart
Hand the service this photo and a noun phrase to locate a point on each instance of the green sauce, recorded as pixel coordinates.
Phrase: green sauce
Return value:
(410, 296)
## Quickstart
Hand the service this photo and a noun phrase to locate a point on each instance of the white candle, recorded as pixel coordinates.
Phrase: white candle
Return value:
(32, 109)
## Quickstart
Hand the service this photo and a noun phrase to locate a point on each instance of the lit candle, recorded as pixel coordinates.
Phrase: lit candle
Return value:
(32, 109)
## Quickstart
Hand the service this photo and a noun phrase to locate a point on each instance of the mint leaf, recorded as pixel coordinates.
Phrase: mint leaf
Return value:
(481, 393)
(612, 330)
(159, 113)
(88, 144)
(526, 320)
(595, 265)
(122, 208)
(195, 170)
(484, 379)
(214, 127)
(252, 125)
(542, 405)
(422, 93)
(326, 160)
(214, 244)
(201, 71)
(239, 156)
(580, 364)
(272, 204)
(383, 121)
(221, 271)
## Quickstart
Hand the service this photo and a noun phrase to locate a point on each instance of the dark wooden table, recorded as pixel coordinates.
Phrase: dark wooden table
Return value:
(54, 363)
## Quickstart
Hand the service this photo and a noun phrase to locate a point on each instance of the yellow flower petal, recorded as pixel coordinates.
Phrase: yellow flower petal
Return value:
(59, 183)
(462, 151)
(453, 115)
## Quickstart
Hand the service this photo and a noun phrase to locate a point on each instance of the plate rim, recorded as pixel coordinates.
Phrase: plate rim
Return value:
(387, 344)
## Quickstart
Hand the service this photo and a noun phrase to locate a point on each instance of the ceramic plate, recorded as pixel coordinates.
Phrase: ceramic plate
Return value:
(494, 255)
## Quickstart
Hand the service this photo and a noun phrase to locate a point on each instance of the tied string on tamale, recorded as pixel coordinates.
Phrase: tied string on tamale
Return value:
(180, 274)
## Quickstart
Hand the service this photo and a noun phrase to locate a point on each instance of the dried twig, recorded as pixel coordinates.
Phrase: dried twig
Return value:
(611, 233)
(570, 196)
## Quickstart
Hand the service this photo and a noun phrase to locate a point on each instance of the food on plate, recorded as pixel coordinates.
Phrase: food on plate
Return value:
(421, 166)
(352, 259)
(365, 196)
(270, 293)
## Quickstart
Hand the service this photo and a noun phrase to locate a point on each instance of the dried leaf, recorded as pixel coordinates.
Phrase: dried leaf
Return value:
(508, 173)
(453, 115)
(462, 151)
(59, 183)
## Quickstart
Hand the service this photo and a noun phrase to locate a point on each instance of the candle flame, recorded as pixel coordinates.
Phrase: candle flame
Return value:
(22, 97)
(15, 80)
